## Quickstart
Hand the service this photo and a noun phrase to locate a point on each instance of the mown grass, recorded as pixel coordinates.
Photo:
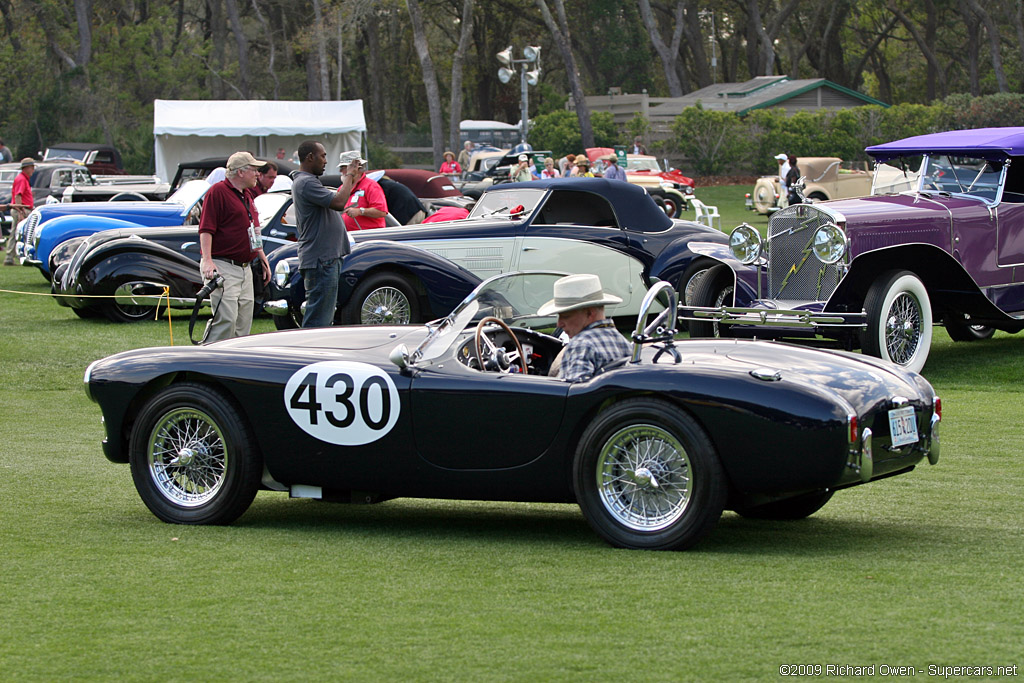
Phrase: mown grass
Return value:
(919, 570)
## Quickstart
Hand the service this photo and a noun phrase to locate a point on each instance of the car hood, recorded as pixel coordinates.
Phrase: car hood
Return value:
(125, 211)
(898, 209)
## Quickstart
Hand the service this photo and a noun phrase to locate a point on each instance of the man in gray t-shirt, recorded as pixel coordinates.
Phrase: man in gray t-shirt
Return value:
(323, 241)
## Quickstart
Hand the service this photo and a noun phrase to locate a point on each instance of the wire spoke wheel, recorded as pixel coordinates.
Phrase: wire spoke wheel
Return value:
(899, 314)
(193, 457)
(903, 328)
(646, 476)
(643, 477)
(386, 306)
(187, 457)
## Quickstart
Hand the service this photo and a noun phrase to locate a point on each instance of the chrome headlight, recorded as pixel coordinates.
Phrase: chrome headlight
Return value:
(829, 243)
(745, 243)
(281, 272)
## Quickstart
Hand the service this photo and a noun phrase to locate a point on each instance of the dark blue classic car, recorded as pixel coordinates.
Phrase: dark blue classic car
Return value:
(133, 266)
(580, 225)
(941, 239)
(652, 448)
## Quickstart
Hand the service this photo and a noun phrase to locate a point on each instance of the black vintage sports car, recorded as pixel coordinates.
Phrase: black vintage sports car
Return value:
(579, 225)
(129, 268)
(652, 448)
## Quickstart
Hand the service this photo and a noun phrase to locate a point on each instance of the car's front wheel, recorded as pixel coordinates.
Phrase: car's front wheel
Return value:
(193, 459)
(646, 476)
(382, 299)
(713, 290)
(899, 320)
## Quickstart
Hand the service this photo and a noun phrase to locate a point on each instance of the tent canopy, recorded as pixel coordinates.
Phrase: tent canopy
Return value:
(185, 130)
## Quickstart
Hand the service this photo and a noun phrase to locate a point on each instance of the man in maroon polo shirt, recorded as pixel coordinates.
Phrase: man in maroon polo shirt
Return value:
(229, 241)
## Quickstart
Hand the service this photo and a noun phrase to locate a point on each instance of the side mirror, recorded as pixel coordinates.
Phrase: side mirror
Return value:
(400, 356)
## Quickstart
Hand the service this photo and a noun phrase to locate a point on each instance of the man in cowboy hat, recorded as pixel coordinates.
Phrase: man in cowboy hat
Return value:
(594, 342)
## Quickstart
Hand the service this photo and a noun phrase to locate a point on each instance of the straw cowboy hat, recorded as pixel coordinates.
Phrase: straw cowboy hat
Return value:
(448, 153)
(582, 161)
(577, 291)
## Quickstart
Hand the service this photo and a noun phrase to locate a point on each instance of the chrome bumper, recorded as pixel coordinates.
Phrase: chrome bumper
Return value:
(763, 317)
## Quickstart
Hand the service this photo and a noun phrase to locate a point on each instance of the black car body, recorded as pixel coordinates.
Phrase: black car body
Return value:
(583, 225)
(652, 448)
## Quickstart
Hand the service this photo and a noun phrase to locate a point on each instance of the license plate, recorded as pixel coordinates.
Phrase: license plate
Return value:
(903, 426)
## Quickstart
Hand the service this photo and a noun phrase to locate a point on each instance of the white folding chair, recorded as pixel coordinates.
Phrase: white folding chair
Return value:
(708, 215)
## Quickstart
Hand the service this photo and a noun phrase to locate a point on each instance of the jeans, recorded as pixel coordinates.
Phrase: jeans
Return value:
(321, 292)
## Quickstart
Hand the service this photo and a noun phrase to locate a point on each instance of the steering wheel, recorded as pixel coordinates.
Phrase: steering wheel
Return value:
(496, 356)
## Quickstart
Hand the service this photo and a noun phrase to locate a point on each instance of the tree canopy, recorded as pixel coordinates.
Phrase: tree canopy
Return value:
(90, 69)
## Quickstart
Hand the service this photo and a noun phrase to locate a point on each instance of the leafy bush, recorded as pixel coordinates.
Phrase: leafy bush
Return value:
(714, 141)
(559, 132)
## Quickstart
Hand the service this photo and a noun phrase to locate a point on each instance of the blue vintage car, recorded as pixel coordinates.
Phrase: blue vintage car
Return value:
(579, 225)
(49, 226)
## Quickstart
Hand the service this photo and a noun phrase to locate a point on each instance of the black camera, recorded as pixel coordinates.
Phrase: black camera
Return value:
(217, 281)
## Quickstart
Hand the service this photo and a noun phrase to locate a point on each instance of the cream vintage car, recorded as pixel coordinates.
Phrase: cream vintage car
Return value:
(825, 179)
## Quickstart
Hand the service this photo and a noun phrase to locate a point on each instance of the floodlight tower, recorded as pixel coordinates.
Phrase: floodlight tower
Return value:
(531, 55)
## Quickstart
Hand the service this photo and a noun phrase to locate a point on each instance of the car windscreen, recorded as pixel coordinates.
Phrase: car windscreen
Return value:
(507, 203)
(61, 153)
(963, 175)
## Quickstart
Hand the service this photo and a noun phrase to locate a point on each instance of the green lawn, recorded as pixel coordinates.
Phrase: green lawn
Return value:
(918, 570)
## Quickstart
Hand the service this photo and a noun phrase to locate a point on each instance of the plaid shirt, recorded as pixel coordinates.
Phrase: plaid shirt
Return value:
(595, 347)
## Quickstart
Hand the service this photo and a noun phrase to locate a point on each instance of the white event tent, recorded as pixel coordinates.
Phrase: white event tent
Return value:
(188, 130)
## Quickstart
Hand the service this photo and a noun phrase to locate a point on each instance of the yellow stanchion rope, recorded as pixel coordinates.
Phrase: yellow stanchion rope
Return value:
(165, 294)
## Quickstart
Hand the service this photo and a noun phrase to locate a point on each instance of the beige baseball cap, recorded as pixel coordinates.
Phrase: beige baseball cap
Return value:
(241, 159)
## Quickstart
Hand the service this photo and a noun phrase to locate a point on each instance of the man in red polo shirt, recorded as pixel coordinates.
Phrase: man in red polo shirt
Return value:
(21, 195)
(229, 240)
(367, 206)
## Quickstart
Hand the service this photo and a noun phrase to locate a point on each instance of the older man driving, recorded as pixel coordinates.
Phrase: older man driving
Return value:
(593, 340)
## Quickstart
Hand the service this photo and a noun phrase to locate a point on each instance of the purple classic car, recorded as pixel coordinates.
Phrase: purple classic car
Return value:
(877, 272)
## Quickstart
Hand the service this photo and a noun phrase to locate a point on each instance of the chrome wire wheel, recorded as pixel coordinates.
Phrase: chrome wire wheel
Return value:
(899, 314)
(386, 306)
(643, 477)
(187, 457)
(903, 328)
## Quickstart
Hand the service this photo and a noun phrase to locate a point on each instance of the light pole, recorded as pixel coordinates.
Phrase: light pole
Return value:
(714, 59)
(531, 55)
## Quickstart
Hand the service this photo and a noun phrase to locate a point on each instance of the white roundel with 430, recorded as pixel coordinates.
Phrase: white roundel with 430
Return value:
(342, 402)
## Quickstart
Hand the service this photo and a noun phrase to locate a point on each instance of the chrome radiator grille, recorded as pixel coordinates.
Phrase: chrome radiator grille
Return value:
(793, 270)
(28, 230)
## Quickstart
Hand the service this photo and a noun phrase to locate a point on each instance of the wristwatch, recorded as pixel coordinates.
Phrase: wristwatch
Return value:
(362, 211)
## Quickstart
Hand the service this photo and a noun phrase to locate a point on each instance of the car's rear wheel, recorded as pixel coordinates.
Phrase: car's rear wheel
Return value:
(797, 507)
(193, 459)
(899, 320)
(122, 310)
(646, 476)
(713, 290)
(382, 299)
(964, 332)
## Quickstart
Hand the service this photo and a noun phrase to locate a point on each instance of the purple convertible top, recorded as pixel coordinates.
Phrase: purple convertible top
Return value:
(988, 143)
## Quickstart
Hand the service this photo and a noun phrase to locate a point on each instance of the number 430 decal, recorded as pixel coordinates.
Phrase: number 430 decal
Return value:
(342, 402)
